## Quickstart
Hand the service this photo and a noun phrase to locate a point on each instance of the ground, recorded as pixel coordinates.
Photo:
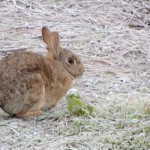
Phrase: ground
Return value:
(113, 39)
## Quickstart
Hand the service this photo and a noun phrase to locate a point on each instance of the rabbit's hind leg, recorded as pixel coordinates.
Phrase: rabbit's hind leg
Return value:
(27, 114)
(34, 99)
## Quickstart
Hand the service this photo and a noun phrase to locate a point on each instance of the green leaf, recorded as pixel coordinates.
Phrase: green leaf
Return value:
(76, 107)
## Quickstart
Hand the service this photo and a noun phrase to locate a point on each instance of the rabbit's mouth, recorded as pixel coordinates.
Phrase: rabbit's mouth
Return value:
(72, 75)
(75, 75)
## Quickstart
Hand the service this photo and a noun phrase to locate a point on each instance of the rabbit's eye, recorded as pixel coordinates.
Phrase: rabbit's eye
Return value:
(70, 60)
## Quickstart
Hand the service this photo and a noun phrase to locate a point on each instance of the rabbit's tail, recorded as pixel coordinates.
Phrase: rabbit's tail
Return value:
(3, 113)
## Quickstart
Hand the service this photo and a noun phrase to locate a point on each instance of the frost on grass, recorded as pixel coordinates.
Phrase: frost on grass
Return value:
(113, 40)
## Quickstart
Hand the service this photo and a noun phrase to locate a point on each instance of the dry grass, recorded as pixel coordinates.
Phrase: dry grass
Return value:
(113, 39)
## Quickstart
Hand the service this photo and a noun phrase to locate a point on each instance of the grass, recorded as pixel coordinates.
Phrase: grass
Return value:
(76, 107)
(121, 124)
(112, 39)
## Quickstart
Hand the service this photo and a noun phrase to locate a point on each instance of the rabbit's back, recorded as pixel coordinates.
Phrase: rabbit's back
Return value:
(14, 66)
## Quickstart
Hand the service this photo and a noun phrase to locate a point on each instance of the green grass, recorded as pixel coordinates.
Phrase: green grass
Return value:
(76, 106)
(119, 123)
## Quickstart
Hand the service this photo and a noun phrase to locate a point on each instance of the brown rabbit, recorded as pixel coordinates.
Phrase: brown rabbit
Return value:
(30, 82)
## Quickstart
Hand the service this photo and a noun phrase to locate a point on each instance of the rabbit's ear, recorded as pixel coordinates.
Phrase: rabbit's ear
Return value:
(46, 35)
(52, 41)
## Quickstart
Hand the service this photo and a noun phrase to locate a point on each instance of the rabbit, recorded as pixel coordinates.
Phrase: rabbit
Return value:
(30, 82)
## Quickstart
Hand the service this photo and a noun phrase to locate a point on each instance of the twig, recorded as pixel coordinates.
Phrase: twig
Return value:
(14, 49)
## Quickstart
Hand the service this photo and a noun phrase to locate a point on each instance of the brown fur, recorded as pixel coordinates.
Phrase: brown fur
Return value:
(30, 82)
